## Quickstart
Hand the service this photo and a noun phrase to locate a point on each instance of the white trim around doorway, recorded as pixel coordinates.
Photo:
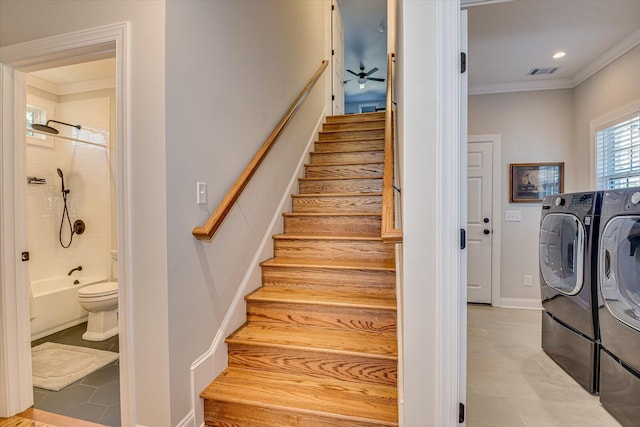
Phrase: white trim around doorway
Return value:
(81, 46)
(496, 208)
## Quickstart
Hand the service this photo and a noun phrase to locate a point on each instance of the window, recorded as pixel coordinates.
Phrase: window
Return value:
(35, 115)
(618, 153)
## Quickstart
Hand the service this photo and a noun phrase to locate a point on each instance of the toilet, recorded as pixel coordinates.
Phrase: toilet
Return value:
(101, 301)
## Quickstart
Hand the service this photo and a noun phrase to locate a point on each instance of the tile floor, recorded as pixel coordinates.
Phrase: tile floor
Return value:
(94, 398)
(511, 382)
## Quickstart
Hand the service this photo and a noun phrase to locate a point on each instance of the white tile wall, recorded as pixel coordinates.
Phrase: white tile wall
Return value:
(86, 175)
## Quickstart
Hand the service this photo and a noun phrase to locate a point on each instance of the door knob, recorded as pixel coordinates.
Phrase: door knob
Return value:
(486, 220)
(486, 231)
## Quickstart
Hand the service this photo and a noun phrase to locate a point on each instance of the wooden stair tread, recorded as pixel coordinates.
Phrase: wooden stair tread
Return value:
(330, 263)
(343, 164)
(353, 150)
(326, 236)
(378, 345)
(373, 128)
(371, 115)
(335, 194)
(312, 214)
(323, 297)
(364, 403)
(339, 178)
(361, 139)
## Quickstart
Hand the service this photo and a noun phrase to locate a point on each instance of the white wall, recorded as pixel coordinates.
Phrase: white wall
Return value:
(612, 88)
(417, 133)
(534, 127)
(24, 20)
(233, 69)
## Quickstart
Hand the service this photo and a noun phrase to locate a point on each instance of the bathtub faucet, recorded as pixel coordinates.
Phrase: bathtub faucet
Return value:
(78, 268)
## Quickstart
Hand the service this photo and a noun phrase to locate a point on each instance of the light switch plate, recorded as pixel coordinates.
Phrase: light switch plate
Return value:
(512, 216)
(201, 197)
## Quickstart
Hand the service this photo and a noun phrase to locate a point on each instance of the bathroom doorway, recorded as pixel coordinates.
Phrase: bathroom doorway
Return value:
(72, 240)
(76, 164)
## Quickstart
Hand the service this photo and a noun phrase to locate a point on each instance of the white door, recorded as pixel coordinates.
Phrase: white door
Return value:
(479, 221)
(337, 59)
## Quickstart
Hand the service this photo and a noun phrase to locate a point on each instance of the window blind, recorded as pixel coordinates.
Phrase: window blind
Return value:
(618, 154)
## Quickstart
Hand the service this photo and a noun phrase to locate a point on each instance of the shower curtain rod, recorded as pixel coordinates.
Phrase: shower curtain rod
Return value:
(67, 137)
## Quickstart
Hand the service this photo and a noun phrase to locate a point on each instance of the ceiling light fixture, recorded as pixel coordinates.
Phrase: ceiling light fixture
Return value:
(559, 55)
(361, 85)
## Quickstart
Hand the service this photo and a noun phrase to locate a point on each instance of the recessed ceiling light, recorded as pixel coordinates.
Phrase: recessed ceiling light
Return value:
(559, 55)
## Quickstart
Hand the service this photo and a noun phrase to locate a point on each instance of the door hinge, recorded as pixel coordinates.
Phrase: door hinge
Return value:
(333, 7)
(333, 52)
(333, 97)
(463, 238)
(463, 62)
(461, 413)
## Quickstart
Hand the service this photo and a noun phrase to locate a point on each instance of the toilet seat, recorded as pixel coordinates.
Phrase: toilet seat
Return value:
(99, 290)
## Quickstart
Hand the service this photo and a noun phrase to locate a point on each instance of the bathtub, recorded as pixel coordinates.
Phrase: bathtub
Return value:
(55, 304)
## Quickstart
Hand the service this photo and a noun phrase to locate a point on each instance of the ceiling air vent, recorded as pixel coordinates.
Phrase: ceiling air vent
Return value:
(542, 71)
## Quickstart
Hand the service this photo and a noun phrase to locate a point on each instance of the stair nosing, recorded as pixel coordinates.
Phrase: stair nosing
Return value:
(344, 164)
(335, 194)
(342, 237)
(255, 401)
(331, 214)
(339, 178)
(377, 128)
(309, 348)
(380, 138)
(284, 262)
(325, 303)
(362, 150)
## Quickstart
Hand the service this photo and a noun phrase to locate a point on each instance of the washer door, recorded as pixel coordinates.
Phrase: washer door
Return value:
(619, 265)
(562, 252)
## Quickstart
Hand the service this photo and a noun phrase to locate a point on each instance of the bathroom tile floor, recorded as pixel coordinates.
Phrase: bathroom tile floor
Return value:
(511, 382)
(94, 398)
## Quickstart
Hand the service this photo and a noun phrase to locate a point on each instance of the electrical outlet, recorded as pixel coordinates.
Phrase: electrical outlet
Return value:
(528, 280)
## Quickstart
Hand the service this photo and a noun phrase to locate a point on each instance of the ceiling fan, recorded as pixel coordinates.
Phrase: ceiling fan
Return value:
(362, 77)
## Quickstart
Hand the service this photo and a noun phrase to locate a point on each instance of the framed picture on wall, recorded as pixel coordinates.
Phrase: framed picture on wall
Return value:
(532, 182)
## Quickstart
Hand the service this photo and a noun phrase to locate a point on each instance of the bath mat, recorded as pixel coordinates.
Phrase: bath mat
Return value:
(55, 366)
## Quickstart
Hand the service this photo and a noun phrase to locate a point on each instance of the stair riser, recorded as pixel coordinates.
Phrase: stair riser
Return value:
(365, 134)
(370, 281)
(329, 171)
(334, 249)
(233, 414)
(366, 370)
(371, 185)
(372, 144)
(350, 157)
(323, 316)
(336, 204)
(351, 118)
(368, 226)
(353, 125)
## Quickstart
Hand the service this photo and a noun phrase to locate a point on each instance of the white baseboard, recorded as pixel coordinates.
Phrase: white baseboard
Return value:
(526, 303)
(214, 360)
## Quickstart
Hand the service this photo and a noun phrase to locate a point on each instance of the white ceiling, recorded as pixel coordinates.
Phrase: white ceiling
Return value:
(508, 39)
(75, 78)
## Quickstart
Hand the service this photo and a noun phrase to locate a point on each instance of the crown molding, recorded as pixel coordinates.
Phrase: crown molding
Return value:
(547, 84)
(71, 88)
(613, 53)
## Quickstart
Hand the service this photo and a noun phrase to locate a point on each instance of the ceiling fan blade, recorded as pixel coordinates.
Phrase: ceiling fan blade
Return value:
(373, 70)
(355, 74)
(346, 81)
(375, 79)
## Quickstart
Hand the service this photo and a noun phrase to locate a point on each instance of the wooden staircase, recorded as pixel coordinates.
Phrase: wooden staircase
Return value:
(320, 346)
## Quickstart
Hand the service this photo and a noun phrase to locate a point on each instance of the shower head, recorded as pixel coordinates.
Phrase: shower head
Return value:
(48, 129)
(60, 174)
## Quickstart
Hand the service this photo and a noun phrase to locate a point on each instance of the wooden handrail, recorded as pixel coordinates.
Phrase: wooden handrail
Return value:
(389, 233)
(206, 231)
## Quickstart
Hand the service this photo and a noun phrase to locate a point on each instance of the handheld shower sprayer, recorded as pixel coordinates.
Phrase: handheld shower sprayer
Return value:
(61, 175)
(78, 226)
